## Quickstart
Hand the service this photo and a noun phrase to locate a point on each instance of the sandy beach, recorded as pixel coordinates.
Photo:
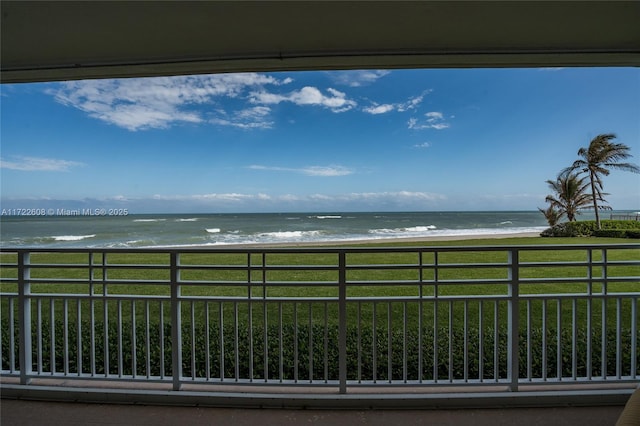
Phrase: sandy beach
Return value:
(409, 240)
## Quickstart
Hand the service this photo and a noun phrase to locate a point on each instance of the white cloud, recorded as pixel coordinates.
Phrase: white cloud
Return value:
(336, 100)
(358, 78)
(410, 104)
(234, 197)
(157, 102)
(320, 197)
(327, 171)
(324, 171)
(37, 164)
(119, 198)
(422, 145)
(398, 196)
(235, 202)
(250, 118)
(355, 197)
(434, 120)
(379, 109)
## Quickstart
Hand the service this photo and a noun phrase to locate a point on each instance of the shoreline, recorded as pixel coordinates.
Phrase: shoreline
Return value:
(419, 240)
(387, 240)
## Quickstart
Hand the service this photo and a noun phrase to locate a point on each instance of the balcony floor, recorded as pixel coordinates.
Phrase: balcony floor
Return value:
(23, 412)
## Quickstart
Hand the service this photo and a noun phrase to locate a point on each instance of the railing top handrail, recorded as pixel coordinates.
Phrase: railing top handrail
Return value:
(328, 250)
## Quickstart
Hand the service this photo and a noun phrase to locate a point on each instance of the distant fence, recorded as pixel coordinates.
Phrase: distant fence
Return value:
(631, 216)
(324, 317)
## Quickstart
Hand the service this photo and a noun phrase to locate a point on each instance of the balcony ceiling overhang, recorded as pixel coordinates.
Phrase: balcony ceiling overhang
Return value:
(62, 40)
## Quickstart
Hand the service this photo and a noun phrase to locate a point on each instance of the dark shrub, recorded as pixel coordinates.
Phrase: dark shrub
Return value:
(309, 344)
(588, 228)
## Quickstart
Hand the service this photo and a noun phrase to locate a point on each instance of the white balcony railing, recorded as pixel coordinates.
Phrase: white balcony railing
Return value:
(328, 317)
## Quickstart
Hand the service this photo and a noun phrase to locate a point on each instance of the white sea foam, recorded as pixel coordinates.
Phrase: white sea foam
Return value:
(485, 231)
(213, 230)
(403, 231)
(149, 220)
(185, 245)
(72, 237)
(432, 231)
(289, 234)
(191, 219)
(130, 243)
(326, 217)
(420, 228)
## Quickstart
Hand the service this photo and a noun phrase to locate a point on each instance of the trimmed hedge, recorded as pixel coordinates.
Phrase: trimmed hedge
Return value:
(589, 228)
(616, 233)
(633, 233)
(310, 344)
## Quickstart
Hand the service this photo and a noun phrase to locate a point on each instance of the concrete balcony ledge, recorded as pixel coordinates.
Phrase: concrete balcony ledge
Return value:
(315, 398)
(36, 413)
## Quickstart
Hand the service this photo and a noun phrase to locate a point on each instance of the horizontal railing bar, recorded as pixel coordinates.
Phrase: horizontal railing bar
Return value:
(229, 381)
(426, 282)
(578, 280)
(623, 262)
(160, 266)
(97, 266)
(96, 281)
(568, 380)
(597, 263)
(372, 266)
(271, 383)
(256, 299)
(427, 266)
(594, 296)
(430, 383)
(573, 262)
(257, 284)
(436, 298)
(266, 267)
(523, 296)
(330, 250)
(101, 377)
(96, 296)
(497, 281)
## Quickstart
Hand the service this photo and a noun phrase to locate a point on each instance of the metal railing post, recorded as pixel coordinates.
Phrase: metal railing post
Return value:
(24, 316)
(176, 324)
(342, 321)
(513, 320)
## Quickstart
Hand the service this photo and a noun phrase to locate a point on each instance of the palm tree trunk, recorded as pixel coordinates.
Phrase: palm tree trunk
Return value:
(595, 201)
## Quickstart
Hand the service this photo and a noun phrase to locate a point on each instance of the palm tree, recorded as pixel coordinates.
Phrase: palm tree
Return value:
(552, 215)
(596, 160)
(571, 194)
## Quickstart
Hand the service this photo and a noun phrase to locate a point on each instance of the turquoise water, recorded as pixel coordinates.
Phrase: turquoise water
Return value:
(184, 230)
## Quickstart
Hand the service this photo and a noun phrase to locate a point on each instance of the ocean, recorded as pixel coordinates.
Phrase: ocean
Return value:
(87, 229)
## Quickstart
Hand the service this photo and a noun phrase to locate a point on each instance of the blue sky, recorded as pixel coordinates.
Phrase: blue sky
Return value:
(370, 140)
